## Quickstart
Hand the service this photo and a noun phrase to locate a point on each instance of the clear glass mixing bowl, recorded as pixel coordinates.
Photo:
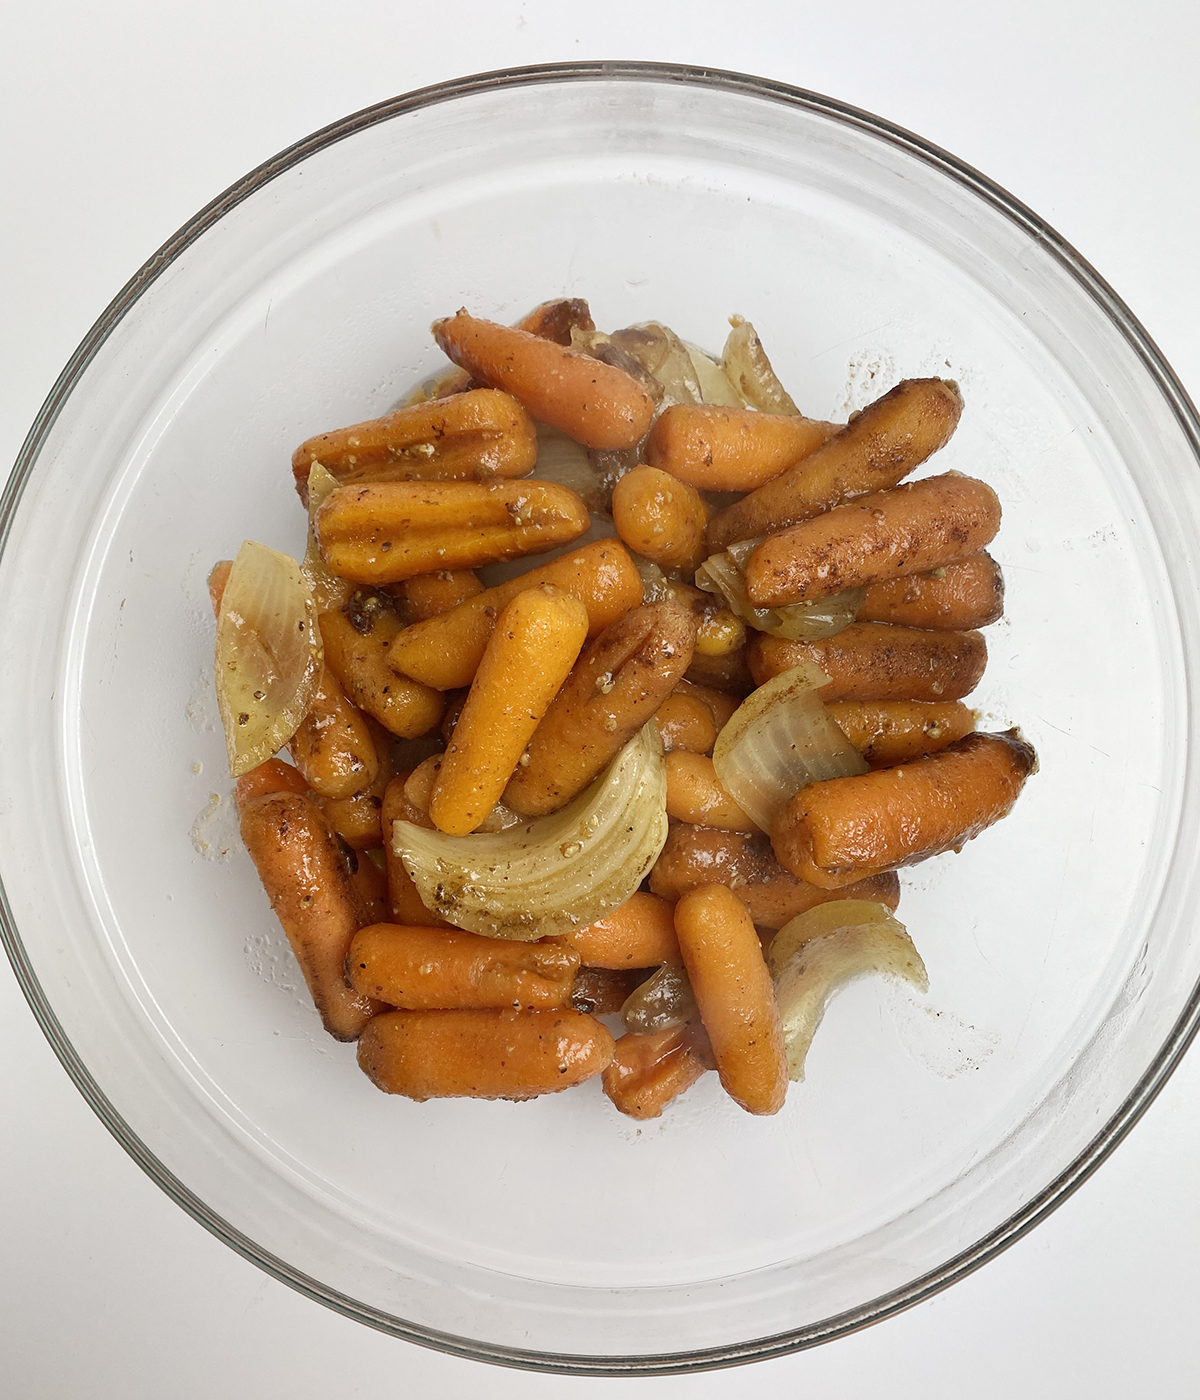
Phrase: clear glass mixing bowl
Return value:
(1061, 950)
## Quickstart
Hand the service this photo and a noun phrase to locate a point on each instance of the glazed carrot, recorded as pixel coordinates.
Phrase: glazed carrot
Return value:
(596, 404)
(697, 855)
(357, 818)
(370, 885)
(638, 933)
(731, 449)
(306, 877)
(660, 518)
(686, 723)
(733, 990)
(466, 437)
(445, 651)
(649, 1071)
(404, 901)
(886, 441)
(872, 661)
(537, 639)
(601, 991)
(424, 969)
(272, 776)
(721, 705)
(384, 532)
(834, 833)
(881, 536)
(555, 320)
(695, 794)
(887, 732)
(333, 748)
(729, 673)
(427, 595)
(959, 596)
(615, 687)
(482, 1054)
(719, 632)
(359, 659)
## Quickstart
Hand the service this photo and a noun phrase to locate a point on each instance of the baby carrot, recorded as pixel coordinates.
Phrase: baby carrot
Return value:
(272, 776)
(598, 405)
(427, 595)
(649, 1071)
(834, 833)
(333, 747)
(685, 723)
(878, 537)
(482, 1054)
(887, 732)
(660, 518)
(638, 933)
(731, 449)
(695, 794)
(537, 638)
(960, 596)
(602, 991)
(359, 660)
(733, 990)
(555, 320)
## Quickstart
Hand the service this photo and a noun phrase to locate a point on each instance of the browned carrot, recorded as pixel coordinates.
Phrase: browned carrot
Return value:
(887, 732)
(445, 651)
(427, 595)
(403, 899)
(729, 673)
(686, 723)
(466, 437)
(719, 632)
(370, 884)
(482, 1054)
(615, 687)
(959, 596)
(596, 404)
(555, 320)
(356, 651)
(601, 991)
(333, 746)
(695, 794)
(649, 1071)
(660, 518)
(272, 776)
(733, 990)
(421, 969)
(538, 636)
(885, 442)
(731, 449)
(720, 703)
(872, 661)
(308, 881)
(357, 818)
(386, 531)
(878, 537)
(836, 832)
(698, 855)
(639, 933)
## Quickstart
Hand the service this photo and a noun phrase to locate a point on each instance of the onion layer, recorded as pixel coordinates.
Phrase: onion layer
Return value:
(780, 739)
(747, 368)
(557, 873)
(329, 590)
(268, 656)
(796, 622)
(662, 1001)
(822, 950)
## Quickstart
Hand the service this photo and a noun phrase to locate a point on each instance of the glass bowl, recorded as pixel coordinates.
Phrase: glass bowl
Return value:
(930, 1132)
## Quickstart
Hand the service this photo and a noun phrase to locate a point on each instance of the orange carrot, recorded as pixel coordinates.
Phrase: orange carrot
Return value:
(638, 933)
(731, 449)
(686, 723)
(660, 518)
(887, 732)
(695, 794)
(649, 1071)
(272, 776)
(960, 596)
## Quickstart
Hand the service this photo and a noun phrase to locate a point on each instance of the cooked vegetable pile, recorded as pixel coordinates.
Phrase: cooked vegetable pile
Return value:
(669, 770)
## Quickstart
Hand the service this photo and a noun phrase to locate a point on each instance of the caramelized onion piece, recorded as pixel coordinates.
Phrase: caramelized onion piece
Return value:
(663, 1000)
(749, 371)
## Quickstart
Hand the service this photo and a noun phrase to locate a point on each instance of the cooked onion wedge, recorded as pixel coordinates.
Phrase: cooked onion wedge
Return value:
(556, 873)
(747, 368)
(664, 999)
(822, 950)
(268, 658)
(722, 574)
(327, 588)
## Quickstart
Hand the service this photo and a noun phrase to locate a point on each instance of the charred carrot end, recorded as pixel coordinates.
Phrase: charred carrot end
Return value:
(959, 596)
(471, 436)
(555, 320)
(873, 661)
(731, 449)
(885, 442)
(429, 595)
(639, 933)
(482, 1054)
(696, 855)
(833, 833)
(308, 881)
(648, 1072)
(686, 723)
(877, 538)
(733, 990)
(887, 732)
(695, 794)
(420, 969)
(384, 532)
(272, 776)
(537, 639)
(660, 518)
(596, 404)
(445, 651)
(217, 580)
(616, 686)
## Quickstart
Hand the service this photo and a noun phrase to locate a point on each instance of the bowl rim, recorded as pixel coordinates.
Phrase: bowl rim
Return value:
(966, 1261)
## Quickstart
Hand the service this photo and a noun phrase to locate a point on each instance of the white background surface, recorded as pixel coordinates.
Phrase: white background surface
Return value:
(120, 120)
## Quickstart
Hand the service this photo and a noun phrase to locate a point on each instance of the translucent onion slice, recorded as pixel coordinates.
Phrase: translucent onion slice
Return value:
(328, 590)
(864, 938)
(555, 873)
(780, 739)
(663, 355)
(268, 657)
(562, 460)
(656, 586)
(797, 622)
(664, 1000)
(749, 371)
(715, 387)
